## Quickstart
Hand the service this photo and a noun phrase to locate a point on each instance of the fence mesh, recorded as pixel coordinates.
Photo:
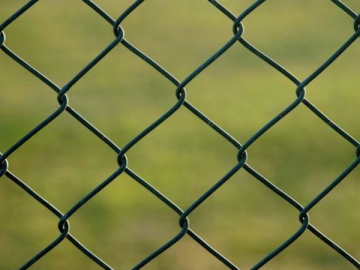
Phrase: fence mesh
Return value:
(181, 100)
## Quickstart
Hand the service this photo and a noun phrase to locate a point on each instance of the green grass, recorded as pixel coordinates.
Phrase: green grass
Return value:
(183, 157)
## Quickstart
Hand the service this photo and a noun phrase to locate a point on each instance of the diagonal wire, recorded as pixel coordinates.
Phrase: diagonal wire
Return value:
(180, 93)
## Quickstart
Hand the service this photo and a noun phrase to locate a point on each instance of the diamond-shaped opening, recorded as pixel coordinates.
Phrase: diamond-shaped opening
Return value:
(183, 161)
(179, 47)
(297, 37)
(245, 221)
(58, 40)
(127, 93)
(280, 155)
(64, 158)
(128, 218)
(296, 153)
(239, 99)
(120, 215)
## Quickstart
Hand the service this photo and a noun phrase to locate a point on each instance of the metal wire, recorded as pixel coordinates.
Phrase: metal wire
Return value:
(181, 101)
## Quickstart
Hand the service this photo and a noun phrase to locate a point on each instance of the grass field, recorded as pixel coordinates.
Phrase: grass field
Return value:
(183, 157)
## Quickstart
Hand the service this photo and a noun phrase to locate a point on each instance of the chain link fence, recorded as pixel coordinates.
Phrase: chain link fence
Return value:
(181, 100)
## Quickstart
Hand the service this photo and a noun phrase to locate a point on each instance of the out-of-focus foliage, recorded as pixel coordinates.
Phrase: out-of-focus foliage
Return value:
(183, 157)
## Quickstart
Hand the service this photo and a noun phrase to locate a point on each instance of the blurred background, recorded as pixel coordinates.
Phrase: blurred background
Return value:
(183, 157)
